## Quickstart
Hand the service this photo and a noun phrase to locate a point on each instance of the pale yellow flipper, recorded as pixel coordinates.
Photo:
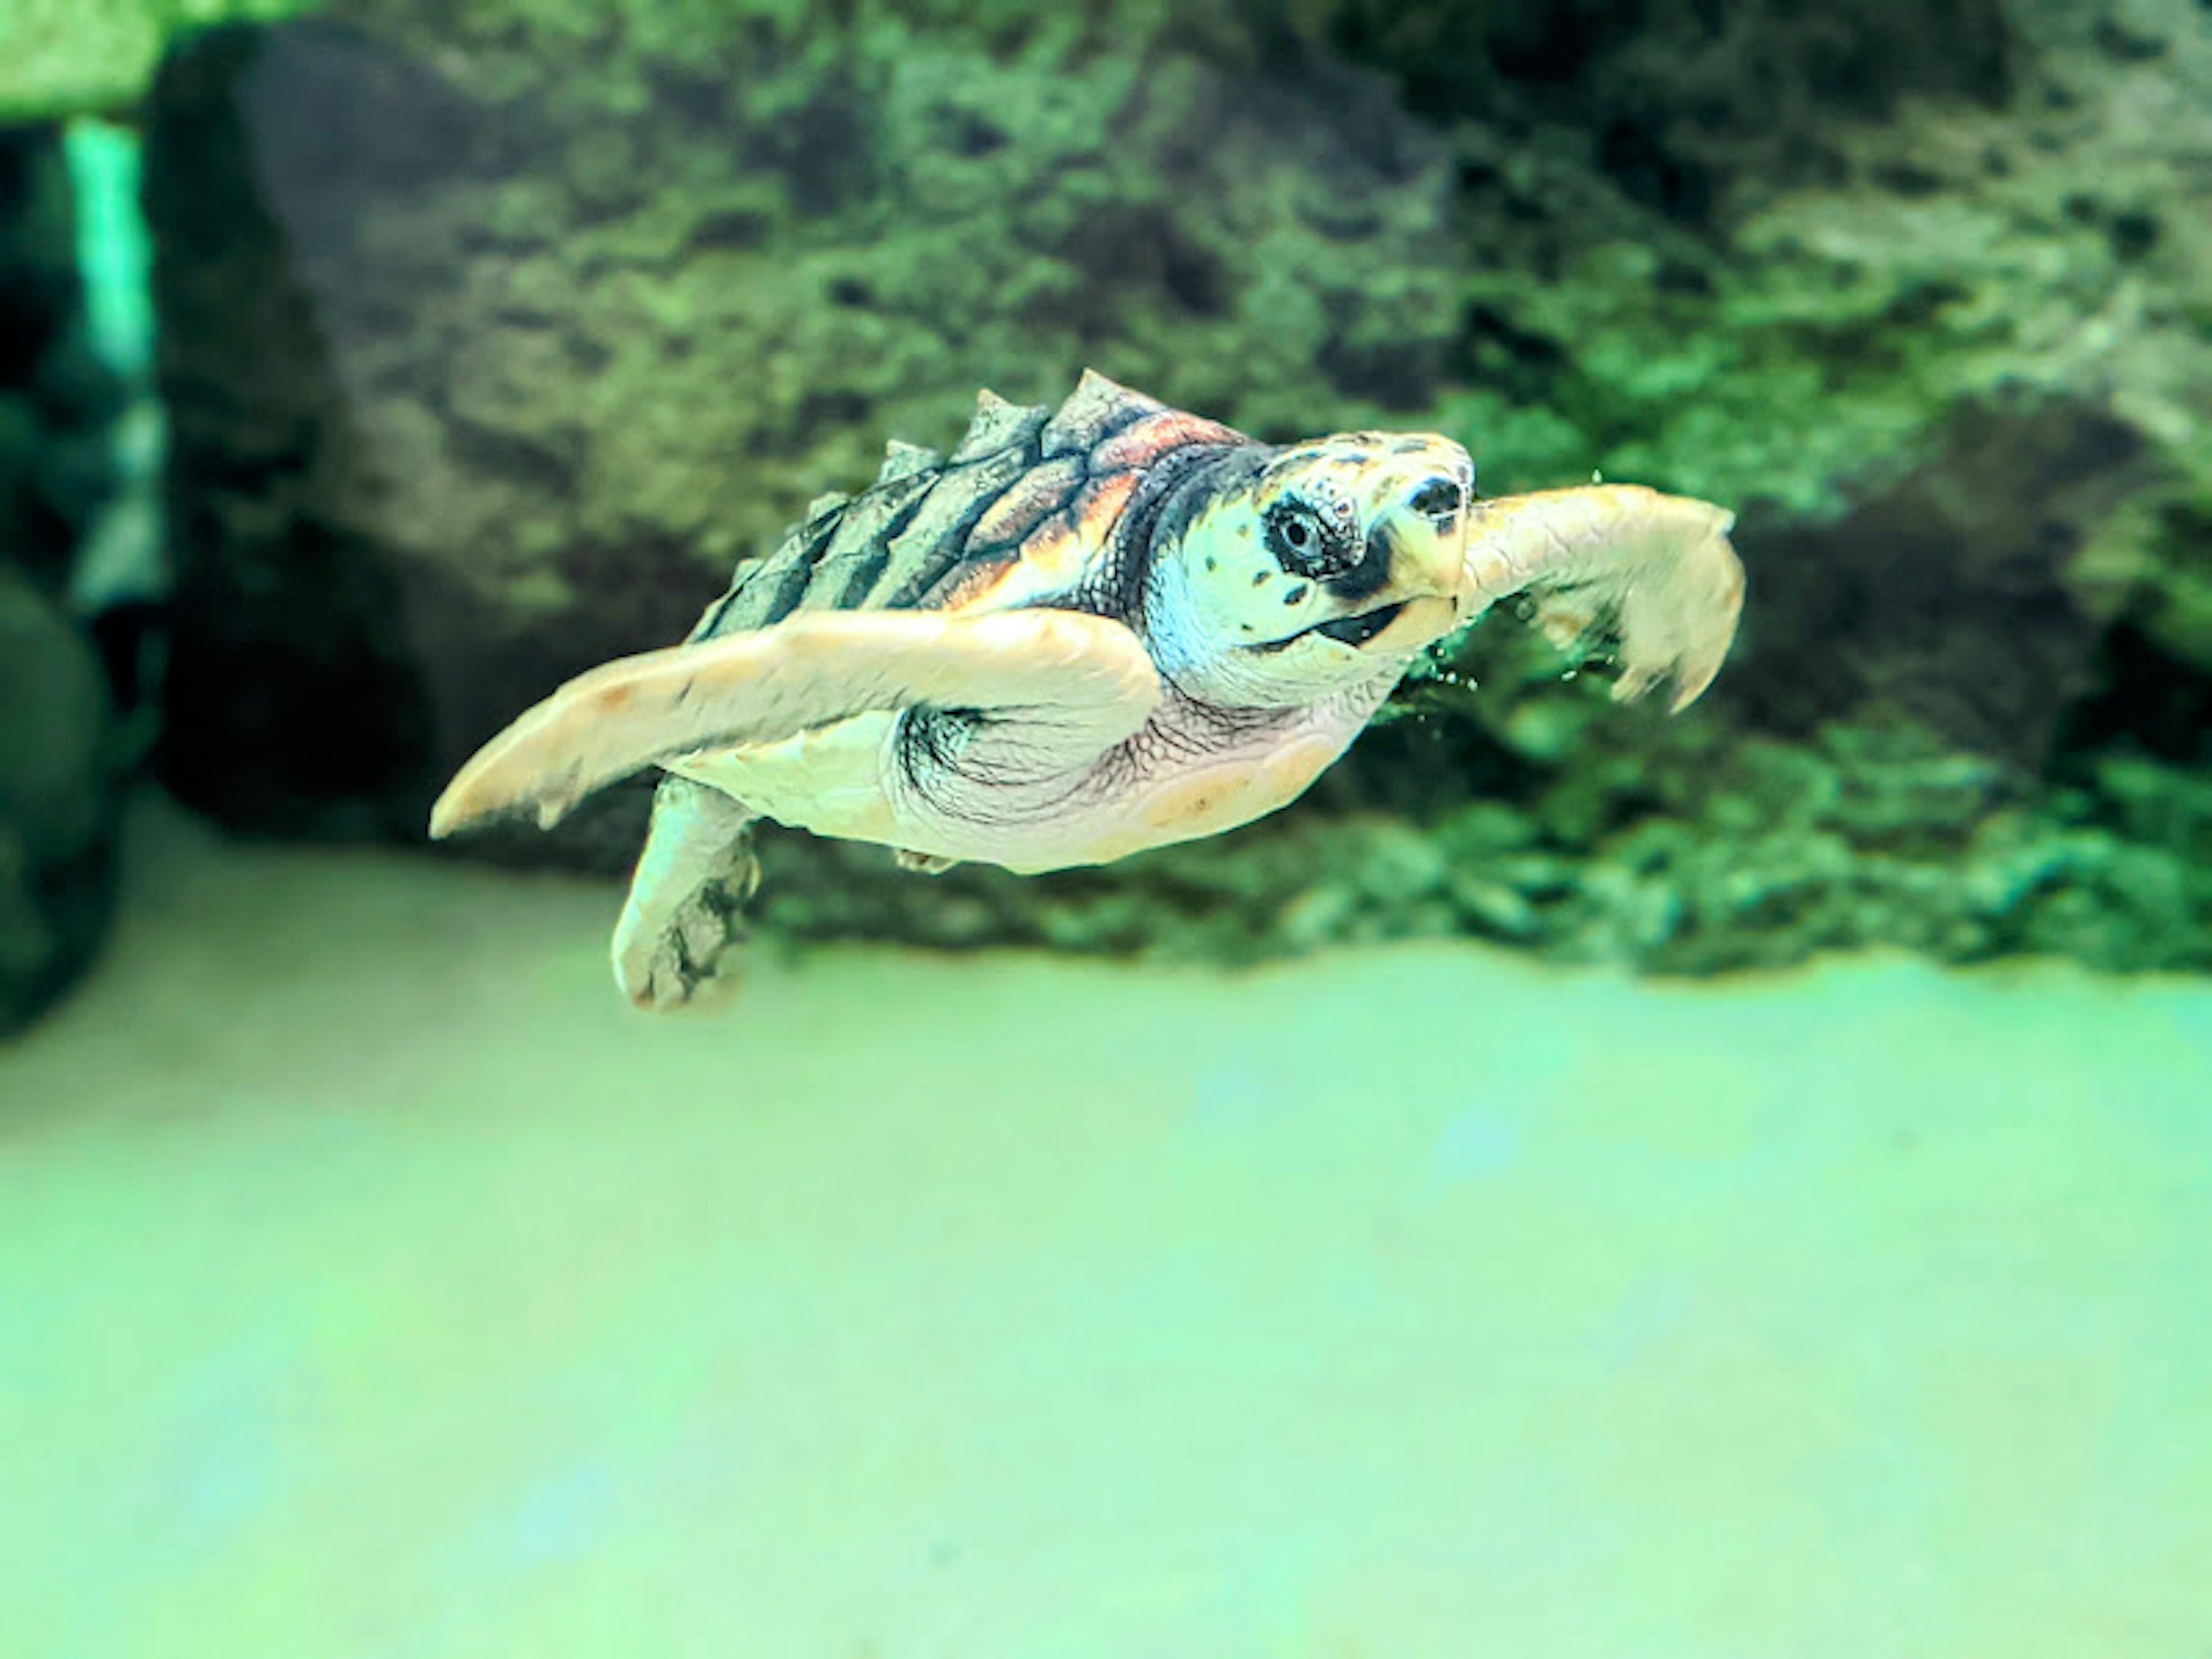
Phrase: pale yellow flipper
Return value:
(1659, 566)
(1087, 682)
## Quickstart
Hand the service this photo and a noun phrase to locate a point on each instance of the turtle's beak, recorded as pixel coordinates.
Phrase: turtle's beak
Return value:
(1417, 547)
(1420, 540)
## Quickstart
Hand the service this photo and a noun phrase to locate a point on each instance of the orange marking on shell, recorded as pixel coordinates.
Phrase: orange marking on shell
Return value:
(1101, 503)
(1060, 549)
(976, 584)
(1149, 438)
(1027, 502)
(1056, 551)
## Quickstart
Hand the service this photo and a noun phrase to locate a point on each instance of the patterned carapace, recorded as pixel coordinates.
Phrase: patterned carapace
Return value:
(1027, 491)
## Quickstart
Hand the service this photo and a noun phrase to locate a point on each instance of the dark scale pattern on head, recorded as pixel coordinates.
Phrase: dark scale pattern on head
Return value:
(932, 526)
(1368, 576)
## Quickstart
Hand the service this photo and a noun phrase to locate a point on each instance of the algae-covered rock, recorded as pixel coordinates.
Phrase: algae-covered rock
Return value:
(482, 367)
(494, 334)
(72, 56)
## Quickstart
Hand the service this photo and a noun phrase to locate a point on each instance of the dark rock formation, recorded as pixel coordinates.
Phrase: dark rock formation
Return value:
(57, 750)
(38, 296)
(56, 802)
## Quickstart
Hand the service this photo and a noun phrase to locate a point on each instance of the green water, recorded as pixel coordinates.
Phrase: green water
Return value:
(378, 1284)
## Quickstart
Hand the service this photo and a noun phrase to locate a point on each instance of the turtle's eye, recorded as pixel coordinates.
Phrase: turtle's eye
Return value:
(1299, 541)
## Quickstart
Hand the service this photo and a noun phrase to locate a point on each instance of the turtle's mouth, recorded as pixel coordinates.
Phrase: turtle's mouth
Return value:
(1354, 631)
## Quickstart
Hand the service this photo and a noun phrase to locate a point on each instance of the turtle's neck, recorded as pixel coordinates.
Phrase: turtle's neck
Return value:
(1175, 488)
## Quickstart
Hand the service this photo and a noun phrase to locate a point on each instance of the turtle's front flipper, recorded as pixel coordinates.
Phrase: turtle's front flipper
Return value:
(1658, 570)
(1084, 682)
(686, 905)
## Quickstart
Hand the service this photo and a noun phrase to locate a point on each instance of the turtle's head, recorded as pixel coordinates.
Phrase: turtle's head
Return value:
(1323, 565)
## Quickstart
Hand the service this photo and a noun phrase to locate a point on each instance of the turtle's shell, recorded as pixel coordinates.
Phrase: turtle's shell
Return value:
(1033, 505)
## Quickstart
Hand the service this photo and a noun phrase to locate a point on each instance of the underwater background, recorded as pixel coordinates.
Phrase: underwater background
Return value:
(1578, 1183)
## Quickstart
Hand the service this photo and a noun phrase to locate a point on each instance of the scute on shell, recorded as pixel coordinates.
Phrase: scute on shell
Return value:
(902, 460)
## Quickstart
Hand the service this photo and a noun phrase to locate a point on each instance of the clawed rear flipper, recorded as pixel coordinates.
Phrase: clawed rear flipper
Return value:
(685, 912)
(1086, 682)
(1657, 569)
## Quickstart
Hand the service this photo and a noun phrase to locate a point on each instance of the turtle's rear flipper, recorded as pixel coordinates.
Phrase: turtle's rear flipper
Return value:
(686, 905)
(1657, 570)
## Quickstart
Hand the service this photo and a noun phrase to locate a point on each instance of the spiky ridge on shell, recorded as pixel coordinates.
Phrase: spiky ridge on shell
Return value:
(1027, 507)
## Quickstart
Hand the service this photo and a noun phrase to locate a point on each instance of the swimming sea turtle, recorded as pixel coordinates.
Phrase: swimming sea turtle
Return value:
(1084, 633)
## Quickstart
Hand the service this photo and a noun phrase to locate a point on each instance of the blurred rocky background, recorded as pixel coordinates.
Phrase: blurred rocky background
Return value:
(491, 334)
